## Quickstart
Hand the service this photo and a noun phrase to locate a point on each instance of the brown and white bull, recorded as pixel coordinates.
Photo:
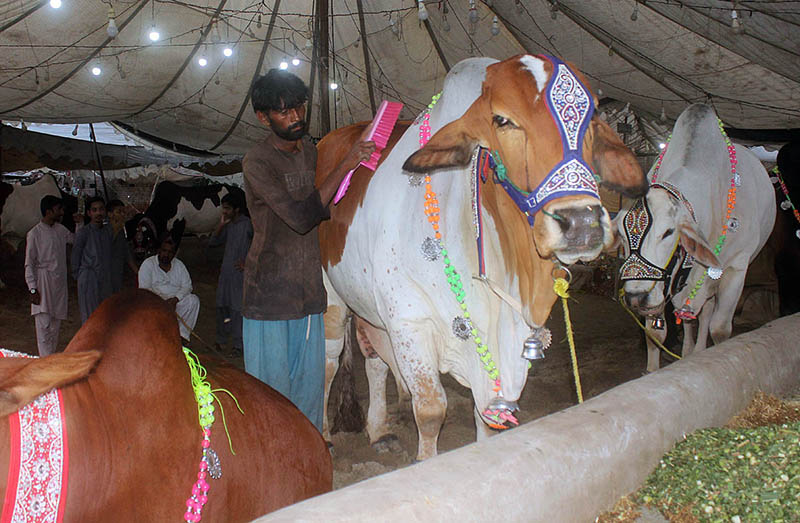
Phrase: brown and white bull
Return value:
(378, 249)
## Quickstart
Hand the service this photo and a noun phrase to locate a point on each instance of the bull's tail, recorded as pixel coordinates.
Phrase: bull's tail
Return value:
(349, 415)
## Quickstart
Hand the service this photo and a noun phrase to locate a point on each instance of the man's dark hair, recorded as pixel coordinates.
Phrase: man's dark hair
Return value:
(277, 90)
(114, 204)
(234, 200)
(94, 199)
(48, 202)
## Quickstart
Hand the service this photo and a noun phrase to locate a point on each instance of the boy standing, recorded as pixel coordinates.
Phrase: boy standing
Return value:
(46, 273)
(91, 259)
(235, 231)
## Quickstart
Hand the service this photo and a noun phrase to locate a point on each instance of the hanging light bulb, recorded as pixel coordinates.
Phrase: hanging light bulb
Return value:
(662, 145)
(258, 21)
(394, 27)
(599, 93)
(423, 11)
(295, 61)
(55, 4)
(215, 38)
(112, 29)
(284, 64)
(445, 23)
(736, 24)
(495, 26)
(22, 124)
(554, 9)
(75, 131)
(97, 71)
(309, 44)
(518, 6)
(334, 86)
(473, 12)
(663, 116)
(635, 13)
(154, 34)
(202, 61)
(610, 50)
(227, 52)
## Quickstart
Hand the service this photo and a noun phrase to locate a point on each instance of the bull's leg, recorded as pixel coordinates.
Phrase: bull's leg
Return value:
(335, 320)
(482, 430)
(703, 320)
(653, 351)
(730, 288)
(377, 417)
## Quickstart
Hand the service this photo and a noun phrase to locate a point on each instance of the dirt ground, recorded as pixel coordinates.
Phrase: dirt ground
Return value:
(607, 341)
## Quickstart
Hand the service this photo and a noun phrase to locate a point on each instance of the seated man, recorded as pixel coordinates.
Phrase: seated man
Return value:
(167, 276)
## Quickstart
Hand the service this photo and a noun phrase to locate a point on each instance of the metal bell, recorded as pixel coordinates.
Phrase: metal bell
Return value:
(499, 403)
(658, 323)
(533, 348)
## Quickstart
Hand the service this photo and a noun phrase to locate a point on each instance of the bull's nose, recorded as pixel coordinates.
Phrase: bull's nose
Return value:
(581, 226)
(634, 299)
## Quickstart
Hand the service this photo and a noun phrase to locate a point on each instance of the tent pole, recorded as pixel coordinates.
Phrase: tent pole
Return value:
(436, 45)
(362, 28)
(323, 40)
(99, 164)
(310, 110)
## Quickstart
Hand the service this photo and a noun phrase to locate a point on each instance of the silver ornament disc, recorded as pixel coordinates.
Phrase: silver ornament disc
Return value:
(415, 180)
(462, 327)
(797, 233)
(737, 180)
(773, 179)
(733, 224)
(430, 249)
(786, 205)
(714, 273)
(212, 460)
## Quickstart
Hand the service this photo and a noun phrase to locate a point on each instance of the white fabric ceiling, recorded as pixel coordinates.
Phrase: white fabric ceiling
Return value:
(673, 54)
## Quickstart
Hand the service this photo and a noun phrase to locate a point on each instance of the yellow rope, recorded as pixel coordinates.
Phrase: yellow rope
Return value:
(647, 333)
(560, 285)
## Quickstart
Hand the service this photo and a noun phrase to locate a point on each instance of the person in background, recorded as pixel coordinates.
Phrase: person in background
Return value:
(120, 250)
(235, 231)
(91, 259)
(166, 276)
(46, 273)
(283, 296)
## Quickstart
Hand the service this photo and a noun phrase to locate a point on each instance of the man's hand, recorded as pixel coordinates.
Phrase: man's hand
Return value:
(36, 298)
(173, 301)
(360, 152)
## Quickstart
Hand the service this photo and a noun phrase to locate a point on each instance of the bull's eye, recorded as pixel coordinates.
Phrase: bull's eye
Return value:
(502, 121)
(668, 232)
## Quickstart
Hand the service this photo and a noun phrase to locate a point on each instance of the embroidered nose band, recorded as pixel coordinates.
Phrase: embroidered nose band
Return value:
(571, 107)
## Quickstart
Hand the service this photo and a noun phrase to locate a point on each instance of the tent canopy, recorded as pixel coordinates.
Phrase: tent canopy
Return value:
(657, 55)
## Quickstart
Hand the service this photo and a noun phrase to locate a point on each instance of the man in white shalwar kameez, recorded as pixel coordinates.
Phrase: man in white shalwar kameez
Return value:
(166, 276)
(46, 273)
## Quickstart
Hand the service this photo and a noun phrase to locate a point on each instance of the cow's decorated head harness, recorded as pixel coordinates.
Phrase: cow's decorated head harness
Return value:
(636, 223)
(571, 106)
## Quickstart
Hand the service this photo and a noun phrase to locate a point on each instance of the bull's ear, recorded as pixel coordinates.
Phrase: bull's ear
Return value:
(27, 379)
(695, 244)
(614, 163)
(451, 146)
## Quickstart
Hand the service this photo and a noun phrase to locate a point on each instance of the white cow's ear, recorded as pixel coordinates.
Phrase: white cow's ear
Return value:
(695, 244)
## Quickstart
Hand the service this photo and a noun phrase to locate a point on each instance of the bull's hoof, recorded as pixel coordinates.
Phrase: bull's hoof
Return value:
(387, 443)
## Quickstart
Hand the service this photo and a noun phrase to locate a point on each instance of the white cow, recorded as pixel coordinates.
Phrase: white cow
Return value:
(21, 210)
(383, 262)
(688, 207)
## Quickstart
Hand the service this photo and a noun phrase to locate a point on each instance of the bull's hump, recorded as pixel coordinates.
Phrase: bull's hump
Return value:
(330, 151)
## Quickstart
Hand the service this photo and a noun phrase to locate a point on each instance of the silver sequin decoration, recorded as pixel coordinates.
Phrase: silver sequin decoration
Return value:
(430, 249)
(214, 466)
(786, 205)
(714, 273)
(773, 179)
(797, 233)
(415, 180)
(474, 186)
(462, 327)
(733, 224)
(737, 180)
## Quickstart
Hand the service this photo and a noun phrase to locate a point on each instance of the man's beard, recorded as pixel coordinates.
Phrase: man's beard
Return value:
(295, 132)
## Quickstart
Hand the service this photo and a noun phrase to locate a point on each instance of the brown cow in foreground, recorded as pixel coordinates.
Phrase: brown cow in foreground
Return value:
(132, 422)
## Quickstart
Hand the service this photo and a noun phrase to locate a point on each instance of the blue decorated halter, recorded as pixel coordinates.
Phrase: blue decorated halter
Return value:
(571, 106)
